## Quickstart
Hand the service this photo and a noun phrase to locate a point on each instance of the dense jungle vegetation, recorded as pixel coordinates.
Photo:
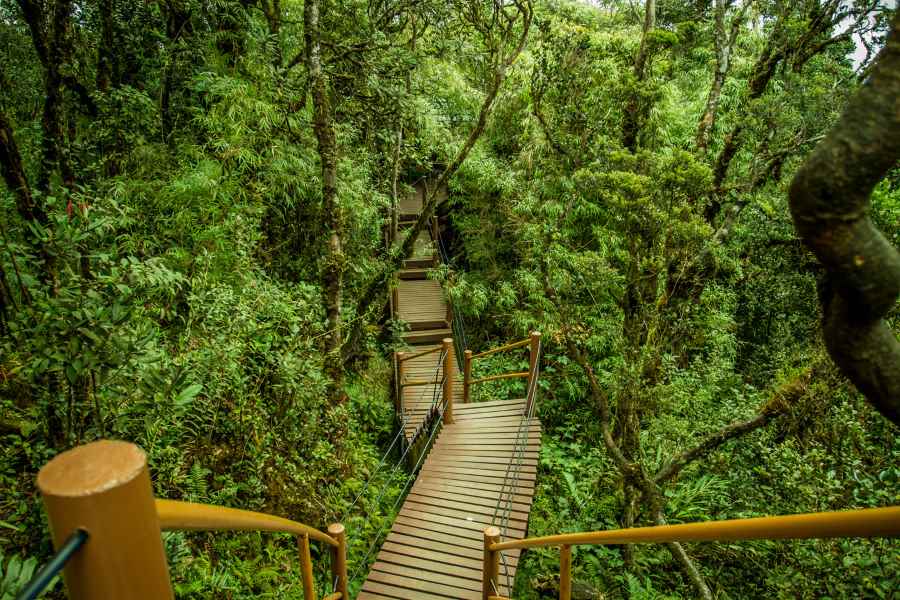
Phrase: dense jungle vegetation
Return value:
(193, 259)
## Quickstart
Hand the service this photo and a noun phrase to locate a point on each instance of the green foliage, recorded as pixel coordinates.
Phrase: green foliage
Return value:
(173, 296)
(14, 574)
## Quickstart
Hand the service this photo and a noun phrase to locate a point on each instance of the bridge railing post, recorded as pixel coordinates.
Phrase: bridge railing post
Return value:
(491, 564)
(104, 489)
(565, 572)
(534, 350)
(448, 380)
(339, 559)
(398, 400)
(306, 569)
(467, 374)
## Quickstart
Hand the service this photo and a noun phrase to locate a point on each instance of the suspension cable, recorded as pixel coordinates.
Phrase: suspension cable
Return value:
(412, 477)
(518, 459)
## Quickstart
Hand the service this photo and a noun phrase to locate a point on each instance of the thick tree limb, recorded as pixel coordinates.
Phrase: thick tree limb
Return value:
(829, 200)
(724, 44)
(14, 173)
(783, 400)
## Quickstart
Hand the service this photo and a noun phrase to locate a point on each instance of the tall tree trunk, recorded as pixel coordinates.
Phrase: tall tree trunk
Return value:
(634, 108)
(54, 152)
(327, 147)
(14, 174)
(724, 44)
(106, 55)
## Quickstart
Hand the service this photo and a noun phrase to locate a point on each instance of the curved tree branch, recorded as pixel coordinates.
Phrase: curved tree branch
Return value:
(829, 201)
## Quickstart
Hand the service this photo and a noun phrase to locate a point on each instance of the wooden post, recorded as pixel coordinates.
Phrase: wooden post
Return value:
(491, 564)
(104, 488)
(532, 365)
(306, 570)
(339, 559)
(434, 236)
(467, 374)
(395, 300)
(565, 572)
(448, 380)
(398, 404)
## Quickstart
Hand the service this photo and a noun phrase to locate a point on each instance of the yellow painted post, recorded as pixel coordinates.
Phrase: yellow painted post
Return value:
(467, 374)
(491, 564)
(104, 488)
(306, 570)
(534, 347)
(339, 558)
(448, 380)
(565, 572)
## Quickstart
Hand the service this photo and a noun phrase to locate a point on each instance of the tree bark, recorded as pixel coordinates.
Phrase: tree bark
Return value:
(829, 201)
(724, 44)
(327, 147)
(106, 56)
(14, 174)
(634, 111)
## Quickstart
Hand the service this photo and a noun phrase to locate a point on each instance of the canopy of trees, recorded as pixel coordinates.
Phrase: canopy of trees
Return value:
(696, 201)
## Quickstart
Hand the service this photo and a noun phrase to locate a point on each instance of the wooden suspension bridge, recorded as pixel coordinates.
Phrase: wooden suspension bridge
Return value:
(461, 528)
(480, 470)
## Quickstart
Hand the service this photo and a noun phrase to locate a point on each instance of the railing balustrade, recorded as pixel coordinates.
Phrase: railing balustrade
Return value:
(103, 489)
(870, 522)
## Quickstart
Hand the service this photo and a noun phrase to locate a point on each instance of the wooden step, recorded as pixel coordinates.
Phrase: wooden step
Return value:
(440, 324)
(413, 274)
(427, 336)
(418, 263)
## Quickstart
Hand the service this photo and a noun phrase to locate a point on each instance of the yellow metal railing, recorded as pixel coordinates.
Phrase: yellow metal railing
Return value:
(104, 490)
(870, 522)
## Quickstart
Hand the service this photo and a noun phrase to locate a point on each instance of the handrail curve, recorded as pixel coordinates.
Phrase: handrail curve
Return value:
(175, 515)
(405, 356)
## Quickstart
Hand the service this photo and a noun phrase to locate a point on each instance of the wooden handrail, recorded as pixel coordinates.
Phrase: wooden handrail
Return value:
(405, 357)
(188, 516)
(418, 382)
(104, 489)
(511, 346)
(868, 522)
(501, 376)
(533, 340)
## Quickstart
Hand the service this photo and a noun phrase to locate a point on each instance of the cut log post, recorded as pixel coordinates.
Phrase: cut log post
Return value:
(339, 559)
(104, 489)
(491, 564)
(398, 403)
(467, 374)
(448, 380)
(565, 572)
(306, 569)
(535, 346)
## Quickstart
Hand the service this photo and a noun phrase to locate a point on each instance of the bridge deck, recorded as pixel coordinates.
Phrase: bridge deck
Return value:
(434, 549)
